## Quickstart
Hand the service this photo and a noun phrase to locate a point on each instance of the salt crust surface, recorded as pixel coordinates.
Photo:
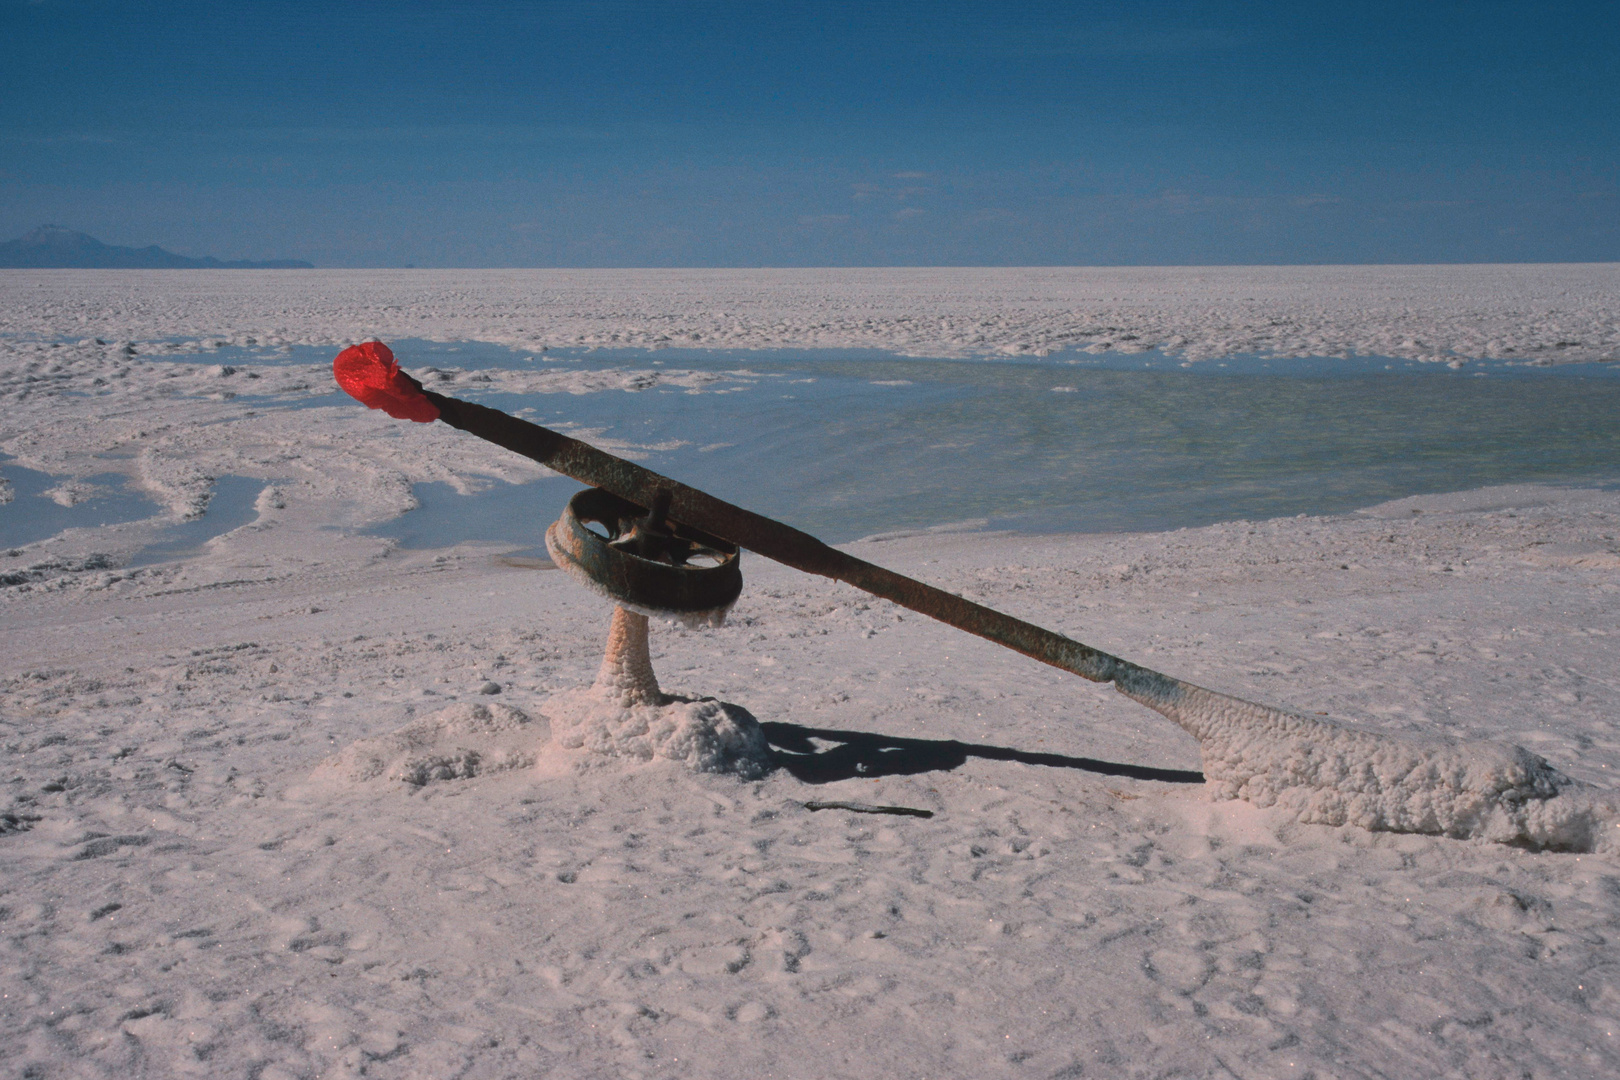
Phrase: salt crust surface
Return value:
(1325, 773)
(705, 734)
(457, 743)
(1550, 312)
(181, 897)
(86, 355)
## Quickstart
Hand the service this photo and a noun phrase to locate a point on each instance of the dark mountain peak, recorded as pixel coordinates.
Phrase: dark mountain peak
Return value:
(51, 247)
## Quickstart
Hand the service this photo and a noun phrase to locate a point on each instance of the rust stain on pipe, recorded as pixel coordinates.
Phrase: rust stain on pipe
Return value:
(789, 546)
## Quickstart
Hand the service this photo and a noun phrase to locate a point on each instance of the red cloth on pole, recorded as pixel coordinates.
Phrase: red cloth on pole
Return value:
(370, 374)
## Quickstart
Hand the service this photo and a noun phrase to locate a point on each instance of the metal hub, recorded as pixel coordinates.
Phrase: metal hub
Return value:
(643, 561)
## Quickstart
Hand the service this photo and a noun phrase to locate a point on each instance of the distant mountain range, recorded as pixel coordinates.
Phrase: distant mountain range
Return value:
(52, 247)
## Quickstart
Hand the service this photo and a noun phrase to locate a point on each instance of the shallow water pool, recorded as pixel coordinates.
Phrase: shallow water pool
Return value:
(849, 444)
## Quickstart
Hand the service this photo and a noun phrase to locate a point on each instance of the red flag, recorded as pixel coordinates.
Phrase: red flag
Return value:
(370, 374)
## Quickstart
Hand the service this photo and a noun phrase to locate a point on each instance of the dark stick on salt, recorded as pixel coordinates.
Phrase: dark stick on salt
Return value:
(868, 808)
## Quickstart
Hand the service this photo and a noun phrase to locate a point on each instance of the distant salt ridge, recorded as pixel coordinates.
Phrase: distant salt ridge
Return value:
(1438, 314)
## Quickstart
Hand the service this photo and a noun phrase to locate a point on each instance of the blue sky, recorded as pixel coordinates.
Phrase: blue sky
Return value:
(698, 133)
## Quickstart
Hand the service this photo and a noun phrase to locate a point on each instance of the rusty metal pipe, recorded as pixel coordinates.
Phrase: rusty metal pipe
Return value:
(1250, 750)
(787, 545)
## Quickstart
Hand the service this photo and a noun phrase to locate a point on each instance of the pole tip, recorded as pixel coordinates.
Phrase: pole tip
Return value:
(369, 373)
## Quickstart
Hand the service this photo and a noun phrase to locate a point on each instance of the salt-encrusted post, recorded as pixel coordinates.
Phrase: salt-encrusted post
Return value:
(1321, 770)
(626, 673)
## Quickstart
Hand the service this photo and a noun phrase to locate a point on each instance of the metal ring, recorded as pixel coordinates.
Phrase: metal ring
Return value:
(700, 582)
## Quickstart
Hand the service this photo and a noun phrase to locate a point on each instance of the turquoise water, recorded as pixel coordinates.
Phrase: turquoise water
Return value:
(32, 515)
(232, 506)
(849, 444)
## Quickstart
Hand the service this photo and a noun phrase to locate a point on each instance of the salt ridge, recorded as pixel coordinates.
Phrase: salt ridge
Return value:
(1531, 313)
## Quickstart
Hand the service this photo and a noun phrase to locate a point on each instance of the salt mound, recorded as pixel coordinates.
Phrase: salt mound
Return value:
(709, 735)
(457, 743)
(1321, 772)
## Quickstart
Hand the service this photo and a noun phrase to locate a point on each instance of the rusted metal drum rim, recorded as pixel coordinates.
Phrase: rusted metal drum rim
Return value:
(695, 592)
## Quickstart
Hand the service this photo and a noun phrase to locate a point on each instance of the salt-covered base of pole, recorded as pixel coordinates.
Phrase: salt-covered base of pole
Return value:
(624, 714)
(1321, 772)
